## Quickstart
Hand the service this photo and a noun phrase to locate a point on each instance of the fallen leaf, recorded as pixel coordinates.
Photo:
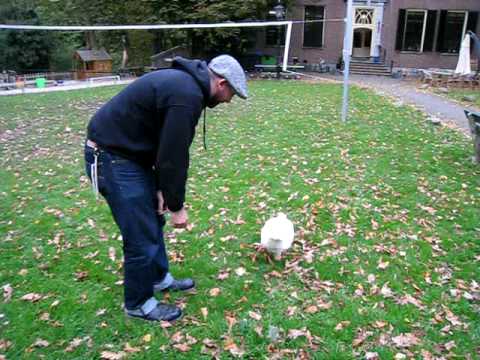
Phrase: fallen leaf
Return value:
(76, 342)
(101, 312)
(341, 325)
(295, 333)
(182, 347)
(112, 253)
(312, 309)
(254, 315)
(405, 340)
(240, 271)
(110, 355)
(32, 297)
(7, 292)
(5, 344)
(204, 311)
(40, 343)
(214, 292)
(130, 349)
(371, 356)
(382, 265)
(224, 274)
(147, 338)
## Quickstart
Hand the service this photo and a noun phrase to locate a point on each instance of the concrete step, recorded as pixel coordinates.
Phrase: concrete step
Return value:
(368, 68)
(369, 72)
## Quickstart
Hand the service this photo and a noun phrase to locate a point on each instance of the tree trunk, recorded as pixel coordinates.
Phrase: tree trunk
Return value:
(125, 51)
(90, 40)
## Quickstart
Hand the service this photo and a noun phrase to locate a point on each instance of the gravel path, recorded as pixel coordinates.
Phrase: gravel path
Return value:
(437, 107)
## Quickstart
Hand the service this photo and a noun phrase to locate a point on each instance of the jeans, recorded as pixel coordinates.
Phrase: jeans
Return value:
(130, 191)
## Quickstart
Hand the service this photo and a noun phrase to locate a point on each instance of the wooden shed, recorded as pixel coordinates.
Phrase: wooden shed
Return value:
(91, 63)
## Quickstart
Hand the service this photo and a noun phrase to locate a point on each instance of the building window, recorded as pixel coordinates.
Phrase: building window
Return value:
(452, 29)
(414, 30)
(313, 31)
(364, 16)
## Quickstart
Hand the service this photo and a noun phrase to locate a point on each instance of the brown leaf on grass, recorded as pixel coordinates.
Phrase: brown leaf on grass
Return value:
(182, 347)
(382, 265)
(204, 311)
(254, 315)
(81, 275)
(312, 309)
(409, 299)
(101, 312)
(223, 274)
(291, 310)
(130, 349)
(386, 291)
(7, 292)
(426, 355)
(5, 344)
(341, 325)
(450, 345)
(40, 343)
(371, 356)
(110, 355)
(240, 271)
(231, 321)
(112, 254)
(406, 340)
(214, 292)
(234, 349)
(295, 333)
(177, 337)
(362, 335)
(32, 297)
(322, 305)
(45, 316)
(76, 342)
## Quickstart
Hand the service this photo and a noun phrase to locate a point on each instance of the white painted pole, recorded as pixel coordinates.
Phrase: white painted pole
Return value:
(287, 45)
(347, 52)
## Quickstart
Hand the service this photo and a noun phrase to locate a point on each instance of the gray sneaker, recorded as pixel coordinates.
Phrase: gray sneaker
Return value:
(153, 310)
(175, 285)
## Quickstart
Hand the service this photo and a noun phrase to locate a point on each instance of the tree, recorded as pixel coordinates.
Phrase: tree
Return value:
(23, 50)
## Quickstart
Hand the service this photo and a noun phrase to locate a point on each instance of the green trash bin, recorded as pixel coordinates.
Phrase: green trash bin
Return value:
(40, 82)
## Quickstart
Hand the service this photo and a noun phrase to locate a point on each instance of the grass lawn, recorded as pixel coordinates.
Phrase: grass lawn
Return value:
(458, 95)
(386, 257)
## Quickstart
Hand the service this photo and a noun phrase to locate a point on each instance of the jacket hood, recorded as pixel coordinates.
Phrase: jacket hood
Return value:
(198, 69)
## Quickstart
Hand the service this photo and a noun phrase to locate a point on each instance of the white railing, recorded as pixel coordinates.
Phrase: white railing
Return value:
(115, 78)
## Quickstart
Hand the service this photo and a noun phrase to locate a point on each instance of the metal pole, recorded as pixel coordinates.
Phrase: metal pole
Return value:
(347, 51)
(287, 45)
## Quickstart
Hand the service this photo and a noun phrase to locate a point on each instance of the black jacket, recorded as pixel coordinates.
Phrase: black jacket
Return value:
(152, 121)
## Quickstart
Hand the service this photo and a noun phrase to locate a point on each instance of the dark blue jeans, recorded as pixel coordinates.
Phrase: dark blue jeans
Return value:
(130, 191)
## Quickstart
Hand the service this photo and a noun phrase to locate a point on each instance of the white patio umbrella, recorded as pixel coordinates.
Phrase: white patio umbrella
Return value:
(463, 65)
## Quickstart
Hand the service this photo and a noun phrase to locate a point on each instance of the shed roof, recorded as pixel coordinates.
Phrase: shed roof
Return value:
(92, 55)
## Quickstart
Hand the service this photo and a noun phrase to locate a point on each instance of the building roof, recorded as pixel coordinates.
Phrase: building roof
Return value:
(92, 55)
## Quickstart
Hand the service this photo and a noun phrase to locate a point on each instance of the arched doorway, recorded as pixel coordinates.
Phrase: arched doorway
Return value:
(362, 42)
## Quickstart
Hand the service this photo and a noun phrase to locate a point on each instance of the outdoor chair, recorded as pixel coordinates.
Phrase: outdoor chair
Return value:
(474, 123)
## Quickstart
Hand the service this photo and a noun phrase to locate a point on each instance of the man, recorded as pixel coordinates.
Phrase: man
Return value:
(137, 156)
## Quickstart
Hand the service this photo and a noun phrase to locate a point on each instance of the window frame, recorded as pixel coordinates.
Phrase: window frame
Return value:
(464, 29)
(424, 27)
(323, 27)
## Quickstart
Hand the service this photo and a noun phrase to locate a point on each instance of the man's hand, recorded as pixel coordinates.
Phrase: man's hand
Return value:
(179, 219)
(162, 207)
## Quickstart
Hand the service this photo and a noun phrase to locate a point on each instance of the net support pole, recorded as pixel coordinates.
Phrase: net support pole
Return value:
(287, 46)
(347, 52)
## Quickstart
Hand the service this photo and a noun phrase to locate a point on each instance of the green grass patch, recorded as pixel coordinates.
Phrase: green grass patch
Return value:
(385, 206)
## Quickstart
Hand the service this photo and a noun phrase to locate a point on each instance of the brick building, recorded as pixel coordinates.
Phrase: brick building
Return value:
(402, 33)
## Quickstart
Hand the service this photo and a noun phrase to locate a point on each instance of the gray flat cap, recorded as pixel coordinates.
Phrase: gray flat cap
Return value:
(229, 68)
